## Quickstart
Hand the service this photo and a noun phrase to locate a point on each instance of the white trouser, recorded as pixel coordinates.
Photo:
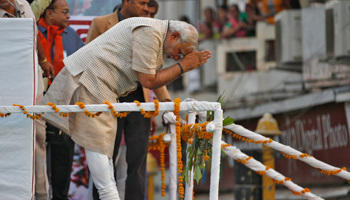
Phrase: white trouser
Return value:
(101, 171)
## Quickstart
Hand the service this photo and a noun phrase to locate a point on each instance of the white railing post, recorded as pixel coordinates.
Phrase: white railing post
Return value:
(216, 154)
(189, 185)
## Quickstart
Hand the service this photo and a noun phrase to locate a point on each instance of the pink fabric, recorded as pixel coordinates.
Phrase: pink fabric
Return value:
(234, 23)
(122, 142)
(151, 95)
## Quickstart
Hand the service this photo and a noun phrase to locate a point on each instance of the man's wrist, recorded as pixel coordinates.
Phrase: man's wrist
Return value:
(43, 61)
(181, 68)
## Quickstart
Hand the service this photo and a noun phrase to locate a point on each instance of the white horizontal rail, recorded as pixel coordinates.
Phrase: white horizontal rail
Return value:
(121, 107)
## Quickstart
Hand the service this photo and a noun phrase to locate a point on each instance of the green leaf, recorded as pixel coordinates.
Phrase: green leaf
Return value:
(223, 152)
(190, 163)
(227, 121)
(199, 152)
(189, 148)
(197, 174)
(221, 99)
(186, 175)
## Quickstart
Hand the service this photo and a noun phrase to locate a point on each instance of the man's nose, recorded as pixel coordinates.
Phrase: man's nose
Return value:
(177, 57)
(145, 7)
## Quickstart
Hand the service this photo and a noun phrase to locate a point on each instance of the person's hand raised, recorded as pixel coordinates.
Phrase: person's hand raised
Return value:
(195, 59)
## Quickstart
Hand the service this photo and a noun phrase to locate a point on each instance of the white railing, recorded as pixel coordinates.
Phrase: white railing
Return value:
(290, 152)
(230, 151)
(216, 128)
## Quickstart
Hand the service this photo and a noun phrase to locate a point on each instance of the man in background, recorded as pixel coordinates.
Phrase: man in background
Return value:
(59, 41)
(152, 9)
(135, 127)
(21, 9)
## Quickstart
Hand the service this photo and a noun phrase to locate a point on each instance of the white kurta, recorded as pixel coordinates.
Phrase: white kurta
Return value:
(102, 71)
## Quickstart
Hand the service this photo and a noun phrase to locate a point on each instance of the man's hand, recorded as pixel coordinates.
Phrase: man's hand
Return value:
(195, 59)
(48, 69)
(154, 125)
(165, 76)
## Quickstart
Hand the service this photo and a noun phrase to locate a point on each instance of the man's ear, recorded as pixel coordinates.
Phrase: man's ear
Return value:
(126, 2)
(48, 12)
(175, 36)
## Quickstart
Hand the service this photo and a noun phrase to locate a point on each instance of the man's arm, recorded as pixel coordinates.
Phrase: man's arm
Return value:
(166, 76)
(162, 94)
(44, 64)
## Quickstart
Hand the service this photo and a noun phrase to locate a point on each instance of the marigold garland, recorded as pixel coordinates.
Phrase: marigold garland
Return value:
(177, 102)
(305, 190)
(244, 161)
(288, 156)
(225, 145)
(4, 114)
(261, 172)
(162, 162)
(115, 113)
(33, 117)
(86, 112)
(244, 139)
(295, 193)
(304, 155)
(64, 114)
(156, 142)
(206, 157)
(178, 145)
(53, 106)
(188, 132)
(277, 181)
(149, 114)
(333, 172)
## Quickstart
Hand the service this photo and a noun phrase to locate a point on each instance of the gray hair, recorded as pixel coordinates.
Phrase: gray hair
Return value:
(188, 32)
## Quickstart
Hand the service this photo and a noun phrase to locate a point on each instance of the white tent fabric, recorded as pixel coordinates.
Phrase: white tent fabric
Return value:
(17, 85)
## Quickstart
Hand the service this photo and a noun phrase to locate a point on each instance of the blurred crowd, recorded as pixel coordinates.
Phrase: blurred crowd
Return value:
(229, 21)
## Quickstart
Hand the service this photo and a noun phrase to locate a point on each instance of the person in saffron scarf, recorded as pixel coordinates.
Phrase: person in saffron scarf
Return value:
(59, 41)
